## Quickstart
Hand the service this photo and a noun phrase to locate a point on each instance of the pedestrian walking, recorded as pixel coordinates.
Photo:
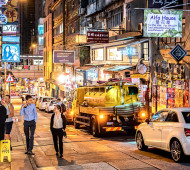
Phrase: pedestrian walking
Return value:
(3, 116)
(57, 127)
(59, 102)
(9, 121)
(30, 118)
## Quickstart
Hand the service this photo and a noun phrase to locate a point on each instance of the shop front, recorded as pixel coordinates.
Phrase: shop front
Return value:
(170, 84)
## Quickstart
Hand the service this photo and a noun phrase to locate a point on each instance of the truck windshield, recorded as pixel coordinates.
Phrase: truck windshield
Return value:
(133, 90)
(186, 116)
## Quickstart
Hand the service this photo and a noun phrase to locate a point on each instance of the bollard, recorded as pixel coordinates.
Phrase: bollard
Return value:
(5, 150)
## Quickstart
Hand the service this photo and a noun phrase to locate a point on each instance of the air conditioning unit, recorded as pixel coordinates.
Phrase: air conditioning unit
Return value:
(140, 27)
(82, 11)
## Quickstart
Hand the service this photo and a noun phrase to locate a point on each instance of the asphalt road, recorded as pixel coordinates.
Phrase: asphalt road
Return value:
(112, 151)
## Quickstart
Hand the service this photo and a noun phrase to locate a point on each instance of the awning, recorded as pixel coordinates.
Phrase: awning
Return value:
(84, 68)
(130, 41)
(119, 68)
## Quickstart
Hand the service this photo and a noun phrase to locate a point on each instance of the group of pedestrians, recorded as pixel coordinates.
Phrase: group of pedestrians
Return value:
(29, 112)
(57, 125)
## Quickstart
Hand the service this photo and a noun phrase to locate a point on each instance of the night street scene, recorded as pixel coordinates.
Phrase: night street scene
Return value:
(94, 84)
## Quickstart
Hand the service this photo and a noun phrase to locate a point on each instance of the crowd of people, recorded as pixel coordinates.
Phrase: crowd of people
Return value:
(30, 116)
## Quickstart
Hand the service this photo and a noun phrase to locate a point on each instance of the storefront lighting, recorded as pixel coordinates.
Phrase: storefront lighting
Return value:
(61, 79)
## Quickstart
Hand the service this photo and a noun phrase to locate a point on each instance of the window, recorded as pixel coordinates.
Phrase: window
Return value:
(113, 54)
(160, 116)
(145, 52)
(74, 27)
(115, 18)
(71, 5)
(133, 91)
(172, 117)
(98, 54)
(91, 1)
(58, 30)
(58, 11)
(186, 116)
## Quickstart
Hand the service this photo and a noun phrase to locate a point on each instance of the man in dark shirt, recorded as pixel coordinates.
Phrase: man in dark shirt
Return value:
(3, 116)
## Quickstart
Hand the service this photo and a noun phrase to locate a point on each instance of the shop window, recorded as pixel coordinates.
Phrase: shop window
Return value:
(113, 54)
(58, 30)
(145, 51)
(116, 18)
(98, 54)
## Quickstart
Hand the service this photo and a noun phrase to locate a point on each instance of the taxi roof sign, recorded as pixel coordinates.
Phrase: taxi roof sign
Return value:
(9, 79)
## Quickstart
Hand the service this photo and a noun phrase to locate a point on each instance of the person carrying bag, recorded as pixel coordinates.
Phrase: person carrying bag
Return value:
(57, 127)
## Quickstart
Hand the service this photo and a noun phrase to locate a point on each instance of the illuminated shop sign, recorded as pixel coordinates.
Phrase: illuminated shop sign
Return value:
(10, 39)
(10, 53)
(3, 19)
(40, 29)
(9, 29)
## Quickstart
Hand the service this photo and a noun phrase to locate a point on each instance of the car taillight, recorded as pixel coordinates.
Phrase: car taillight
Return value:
(187, 132)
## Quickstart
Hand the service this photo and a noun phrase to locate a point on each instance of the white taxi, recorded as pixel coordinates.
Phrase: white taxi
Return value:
(168, 129)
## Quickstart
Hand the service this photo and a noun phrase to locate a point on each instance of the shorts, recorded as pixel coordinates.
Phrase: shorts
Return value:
(8, 127)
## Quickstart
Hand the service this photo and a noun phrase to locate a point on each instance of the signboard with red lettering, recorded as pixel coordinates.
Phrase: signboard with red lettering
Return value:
(97, 37)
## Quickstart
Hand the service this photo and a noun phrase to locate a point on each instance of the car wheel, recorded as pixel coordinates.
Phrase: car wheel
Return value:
(94, 128)
(76, 125)
(140, 142)
(176, 151)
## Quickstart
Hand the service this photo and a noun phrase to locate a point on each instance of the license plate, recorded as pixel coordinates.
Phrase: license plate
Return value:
(109, 123)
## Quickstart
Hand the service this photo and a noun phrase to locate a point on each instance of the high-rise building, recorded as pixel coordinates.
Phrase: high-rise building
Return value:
(30, 13)
(27, 25)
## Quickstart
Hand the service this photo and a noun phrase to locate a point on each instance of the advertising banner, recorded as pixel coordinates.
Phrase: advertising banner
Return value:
(97, 37)
(171, 97)
(60, 56)
(13, 39)
(186, 97)
(92, 74)
(162, 23)
(10, 53)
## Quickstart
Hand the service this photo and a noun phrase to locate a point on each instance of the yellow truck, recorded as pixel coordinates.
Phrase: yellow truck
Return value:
(112, 106)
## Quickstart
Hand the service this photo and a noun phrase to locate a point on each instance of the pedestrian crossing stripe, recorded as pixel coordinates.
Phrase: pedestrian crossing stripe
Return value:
(113, 129)
(9, 78)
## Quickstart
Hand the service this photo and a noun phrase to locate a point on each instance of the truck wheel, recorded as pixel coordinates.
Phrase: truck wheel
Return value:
(76, 125)
(94, 128)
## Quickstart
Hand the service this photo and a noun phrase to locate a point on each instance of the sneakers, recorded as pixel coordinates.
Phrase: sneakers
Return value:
(57, 154)
(61, 156)
(26, 152)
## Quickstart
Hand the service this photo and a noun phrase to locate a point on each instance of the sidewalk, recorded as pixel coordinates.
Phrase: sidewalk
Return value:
(19, 161)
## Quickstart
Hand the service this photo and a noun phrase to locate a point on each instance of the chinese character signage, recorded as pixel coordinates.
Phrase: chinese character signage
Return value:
(60, 56)
(97, 37)
(162, 23)
(10, 53)
(3, 2)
